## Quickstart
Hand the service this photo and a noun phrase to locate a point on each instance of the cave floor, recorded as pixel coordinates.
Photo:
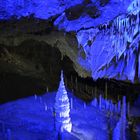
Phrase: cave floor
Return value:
(32, 118)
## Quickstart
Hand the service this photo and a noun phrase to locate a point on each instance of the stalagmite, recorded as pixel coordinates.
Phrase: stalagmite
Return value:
(85, 105)
(100, 102)
(46, 107)
(123, 119)
(119, 106)
(35, 97)
(94, 102)
(62, 108)
(117, 131)
(115, 108)
(47, 89)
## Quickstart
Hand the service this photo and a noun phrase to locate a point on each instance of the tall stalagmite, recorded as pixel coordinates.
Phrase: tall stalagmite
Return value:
(62, 108)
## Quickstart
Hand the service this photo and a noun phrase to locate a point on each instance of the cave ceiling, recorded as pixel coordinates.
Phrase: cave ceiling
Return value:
(100, 37)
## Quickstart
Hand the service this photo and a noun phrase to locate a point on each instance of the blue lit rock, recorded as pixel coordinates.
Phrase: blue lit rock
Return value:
(103, 47)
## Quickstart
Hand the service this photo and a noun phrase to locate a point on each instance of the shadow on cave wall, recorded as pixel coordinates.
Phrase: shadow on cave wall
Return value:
(28, 69)
(40, 66)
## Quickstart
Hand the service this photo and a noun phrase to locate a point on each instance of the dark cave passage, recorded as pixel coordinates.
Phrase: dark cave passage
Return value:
(28, 69)
(35, 68)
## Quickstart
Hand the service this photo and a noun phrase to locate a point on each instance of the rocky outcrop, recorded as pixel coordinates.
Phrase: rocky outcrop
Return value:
(114, 51)
(65, 42)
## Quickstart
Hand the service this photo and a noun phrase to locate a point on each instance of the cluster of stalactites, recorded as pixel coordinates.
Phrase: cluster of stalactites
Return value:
(111, 48)
(134, 5)
(127, 32)
(124, 28)
(125, 38)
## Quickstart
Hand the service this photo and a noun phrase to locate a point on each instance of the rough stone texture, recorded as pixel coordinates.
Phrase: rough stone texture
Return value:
(14, 33)
(74, 12)
(66, 43)
(92, 11)
(83, 9)
(104, 2)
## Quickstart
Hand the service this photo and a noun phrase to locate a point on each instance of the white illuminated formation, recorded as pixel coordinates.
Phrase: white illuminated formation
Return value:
(62, 108)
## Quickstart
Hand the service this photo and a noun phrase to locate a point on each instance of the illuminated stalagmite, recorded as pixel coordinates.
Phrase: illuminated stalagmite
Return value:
(62, 108)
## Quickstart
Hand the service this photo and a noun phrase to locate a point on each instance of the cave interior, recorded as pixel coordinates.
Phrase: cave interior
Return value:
(70, 70)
